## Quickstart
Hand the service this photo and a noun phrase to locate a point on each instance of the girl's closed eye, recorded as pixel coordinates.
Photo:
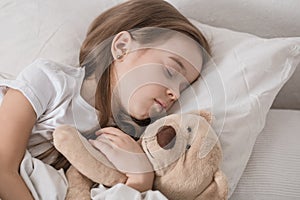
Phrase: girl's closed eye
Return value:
(169, 71)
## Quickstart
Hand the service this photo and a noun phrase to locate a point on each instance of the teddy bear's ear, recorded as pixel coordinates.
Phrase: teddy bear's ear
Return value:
(205, 114)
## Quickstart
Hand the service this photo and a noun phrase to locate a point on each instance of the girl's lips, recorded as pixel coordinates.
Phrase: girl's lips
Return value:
(162, 104)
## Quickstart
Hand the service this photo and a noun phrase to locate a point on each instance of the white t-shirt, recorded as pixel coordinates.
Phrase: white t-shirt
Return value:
(53, 90)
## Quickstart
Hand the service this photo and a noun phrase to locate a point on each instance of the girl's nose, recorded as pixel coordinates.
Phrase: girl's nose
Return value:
(172, 94)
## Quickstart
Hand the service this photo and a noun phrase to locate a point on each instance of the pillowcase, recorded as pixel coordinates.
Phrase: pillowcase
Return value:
(238, 86)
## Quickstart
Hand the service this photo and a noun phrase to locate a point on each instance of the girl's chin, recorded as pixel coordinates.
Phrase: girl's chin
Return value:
(139, 116)
(156, 111)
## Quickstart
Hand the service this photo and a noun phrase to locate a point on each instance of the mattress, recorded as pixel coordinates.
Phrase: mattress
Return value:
(273, 171)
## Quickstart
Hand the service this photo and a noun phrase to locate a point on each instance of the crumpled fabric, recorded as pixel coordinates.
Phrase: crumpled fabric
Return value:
(122, 191)
(44, 181)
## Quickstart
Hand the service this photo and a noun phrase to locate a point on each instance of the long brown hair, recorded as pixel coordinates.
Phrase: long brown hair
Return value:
(130, 15)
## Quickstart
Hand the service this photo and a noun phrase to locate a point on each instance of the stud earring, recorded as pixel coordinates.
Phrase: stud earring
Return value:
(124, 52)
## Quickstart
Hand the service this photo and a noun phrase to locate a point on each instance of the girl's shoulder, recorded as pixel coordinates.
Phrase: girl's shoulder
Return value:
(51, 68)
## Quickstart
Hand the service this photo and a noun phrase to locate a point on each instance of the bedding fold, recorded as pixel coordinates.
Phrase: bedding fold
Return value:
(124, 191)
(47, 183)
(44, 182)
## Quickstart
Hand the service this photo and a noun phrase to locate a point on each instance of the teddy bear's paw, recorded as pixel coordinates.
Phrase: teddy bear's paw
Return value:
(79, 185)
(221, 180)
(77, 194)
(61, 135)
(217, 190)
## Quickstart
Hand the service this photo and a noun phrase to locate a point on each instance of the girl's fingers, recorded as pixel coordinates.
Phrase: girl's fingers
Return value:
(119, 140)
(104, 147)
(110, 130)
(112, 138)
(99, 132)
(127, 162)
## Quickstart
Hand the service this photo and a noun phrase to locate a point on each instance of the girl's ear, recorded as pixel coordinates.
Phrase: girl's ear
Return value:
(121, 45)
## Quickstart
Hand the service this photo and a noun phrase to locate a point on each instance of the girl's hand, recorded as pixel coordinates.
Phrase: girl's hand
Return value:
(127, 156)
(122, 151)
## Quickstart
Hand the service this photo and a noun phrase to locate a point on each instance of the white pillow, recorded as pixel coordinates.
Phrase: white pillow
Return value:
(239, 89)
(238, 86)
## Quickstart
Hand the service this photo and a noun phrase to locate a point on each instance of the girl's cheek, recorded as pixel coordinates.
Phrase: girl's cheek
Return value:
(142, 76)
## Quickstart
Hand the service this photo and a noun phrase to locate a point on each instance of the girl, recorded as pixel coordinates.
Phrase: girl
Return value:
(133, 67)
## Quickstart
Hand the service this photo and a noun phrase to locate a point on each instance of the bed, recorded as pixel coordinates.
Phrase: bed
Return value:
(268, 166)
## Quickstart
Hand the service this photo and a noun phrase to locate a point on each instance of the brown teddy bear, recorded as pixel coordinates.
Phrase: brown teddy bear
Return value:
(183, 149)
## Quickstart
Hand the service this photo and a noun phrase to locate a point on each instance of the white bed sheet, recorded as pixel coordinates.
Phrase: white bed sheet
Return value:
(46, 183)
(273, 171)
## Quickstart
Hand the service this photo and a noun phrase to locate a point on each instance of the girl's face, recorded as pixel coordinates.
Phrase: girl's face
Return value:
(149, 80)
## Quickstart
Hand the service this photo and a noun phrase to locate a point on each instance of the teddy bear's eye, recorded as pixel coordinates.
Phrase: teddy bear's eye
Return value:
(188, 146)
(189, 129)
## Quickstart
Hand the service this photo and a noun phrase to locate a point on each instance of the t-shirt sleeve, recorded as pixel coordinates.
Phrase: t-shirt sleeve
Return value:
(35, 85)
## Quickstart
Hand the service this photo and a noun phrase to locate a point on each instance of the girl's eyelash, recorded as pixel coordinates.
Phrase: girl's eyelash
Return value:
(170, 74)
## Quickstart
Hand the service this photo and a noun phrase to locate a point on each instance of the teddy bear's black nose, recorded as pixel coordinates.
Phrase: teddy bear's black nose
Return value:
(166, 137)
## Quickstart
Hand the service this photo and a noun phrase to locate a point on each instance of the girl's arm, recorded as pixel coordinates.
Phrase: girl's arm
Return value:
(127, 156)
(17, 118)
(140, 182)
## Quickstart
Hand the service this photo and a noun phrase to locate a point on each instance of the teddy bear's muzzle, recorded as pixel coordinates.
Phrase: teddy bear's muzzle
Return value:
(166, 137)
